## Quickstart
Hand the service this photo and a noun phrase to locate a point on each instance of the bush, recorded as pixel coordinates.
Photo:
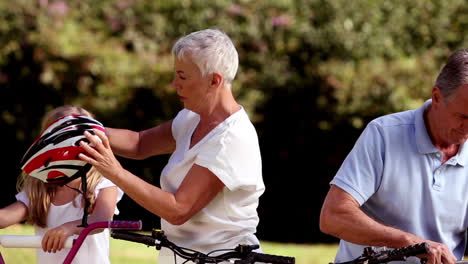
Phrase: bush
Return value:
(312, 74)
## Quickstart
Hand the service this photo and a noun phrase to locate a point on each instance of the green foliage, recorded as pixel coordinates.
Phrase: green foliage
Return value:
(96, 53)
(312, 73)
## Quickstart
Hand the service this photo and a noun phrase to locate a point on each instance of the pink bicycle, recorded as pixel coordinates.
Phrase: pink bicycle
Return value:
(242, 254)
(74, 244)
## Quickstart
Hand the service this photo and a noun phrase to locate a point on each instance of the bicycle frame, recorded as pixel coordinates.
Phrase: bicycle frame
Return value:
(242, 254)
(123, 225)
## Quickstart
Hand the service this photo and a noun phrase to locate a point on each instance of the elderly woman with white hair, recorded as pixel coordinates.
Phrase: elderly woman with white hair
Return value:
(211, 186)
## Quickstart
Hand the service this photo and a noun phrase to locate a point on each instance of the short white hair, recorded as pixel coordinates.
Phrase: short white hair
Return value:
(211, 50)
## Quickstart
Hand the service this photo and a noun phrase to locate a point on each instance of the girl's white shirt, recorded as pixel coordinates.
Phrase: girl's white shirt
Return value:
(95, 248)
(231, 152)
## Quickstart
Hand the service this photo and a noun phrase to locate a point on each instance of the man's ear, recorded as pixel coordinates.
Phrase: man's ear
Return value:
(216, 80)
(437, 96)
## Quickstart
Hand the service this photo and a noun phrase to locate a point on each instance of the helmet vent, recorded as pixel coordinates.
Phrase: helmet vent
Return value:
(46, 163)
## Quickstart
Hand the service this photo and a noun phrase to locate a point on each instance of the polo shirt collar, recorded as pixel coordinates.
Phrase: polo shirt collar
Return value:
(423, 141)
(462, 155)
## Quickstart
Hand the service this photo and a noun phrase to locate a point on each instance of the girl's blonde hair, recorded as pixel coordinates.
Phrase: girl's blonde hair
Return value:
(41, 194)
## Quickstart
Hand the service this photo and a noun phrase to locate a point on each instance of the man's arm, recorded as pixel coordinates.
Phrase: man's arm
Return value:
(342, 217)
(143, 144)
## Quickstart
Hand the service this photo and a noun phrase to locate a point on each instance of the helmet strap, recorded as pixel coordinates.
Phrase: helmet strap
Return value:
(84, 187)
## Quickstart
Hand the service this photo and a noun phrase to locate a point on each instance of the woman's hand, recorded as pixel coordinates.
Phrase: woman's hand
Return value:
(54, 239)
(101, 155)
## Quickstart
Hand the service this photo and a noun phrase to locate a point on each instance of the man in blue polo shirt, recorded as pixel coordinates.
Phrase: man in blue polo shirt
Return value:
(406, 179)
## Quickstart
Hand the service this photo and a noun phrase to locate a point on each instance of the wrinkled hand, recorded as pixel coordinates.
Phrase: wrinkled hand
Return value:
(54, 239)
(101, 155)
(439, 253)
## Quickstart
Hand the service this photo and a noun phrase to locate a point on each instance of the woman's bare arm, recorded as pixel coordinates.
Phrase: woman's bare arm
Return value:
(140, 145)
(198, 188)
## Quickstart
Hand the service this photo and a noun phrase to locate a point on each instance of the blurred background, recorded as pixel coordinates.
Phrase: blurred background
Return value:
(312, 74)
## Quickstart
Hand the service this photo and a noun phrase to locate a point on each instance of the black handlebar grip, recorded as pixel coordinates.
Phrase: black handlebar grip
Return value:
(259, 257)
(134, 237)
(414, 250)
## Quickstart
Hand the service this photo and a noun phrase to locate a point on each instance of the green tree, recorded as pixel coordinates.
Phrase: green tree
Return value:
(312, 74)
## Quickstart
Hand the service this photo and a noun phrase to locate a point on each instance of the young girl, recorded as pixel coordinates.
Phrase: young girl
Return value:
(56, 211)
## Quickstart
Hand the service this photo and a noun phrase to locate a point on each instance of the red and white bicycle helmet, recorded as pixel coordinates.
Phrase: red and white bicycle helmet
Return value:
(53, 157)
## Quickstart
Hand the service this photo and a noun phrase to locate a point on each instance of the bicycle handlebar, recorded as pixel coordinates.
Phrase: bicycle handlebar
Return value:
(134, 225)
(134, 237)
(36, 241)
(267, 258)
(378, 255)
(33, 241)
(243, 253)
(22, 241)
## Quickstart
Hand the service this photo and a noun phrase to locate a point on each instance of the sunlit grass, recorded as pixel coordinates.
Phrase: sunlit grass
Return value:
(128, 252)
(18, 255)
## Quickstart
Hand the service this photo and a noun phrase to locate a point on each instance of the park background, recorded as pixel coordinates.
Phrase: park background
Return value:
(312, 74)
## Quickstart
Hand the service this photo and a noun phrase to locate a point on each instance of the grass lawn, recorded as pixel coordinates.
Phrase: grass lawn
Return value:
(128, 252)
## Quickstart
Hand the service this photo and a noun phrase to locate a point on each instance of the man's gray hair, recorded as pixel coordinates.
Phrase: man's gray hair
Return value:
(454, 74)
(211, 50)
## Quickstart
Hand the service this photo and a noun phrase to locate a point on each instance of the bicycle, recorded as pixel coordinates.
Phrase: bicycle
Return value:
(10, 241)
(242, 254)
(378, 255)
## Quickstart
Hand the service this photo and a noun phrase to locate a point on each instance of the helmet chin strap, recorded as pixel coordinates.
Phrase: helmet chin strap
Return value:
(84, 188)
